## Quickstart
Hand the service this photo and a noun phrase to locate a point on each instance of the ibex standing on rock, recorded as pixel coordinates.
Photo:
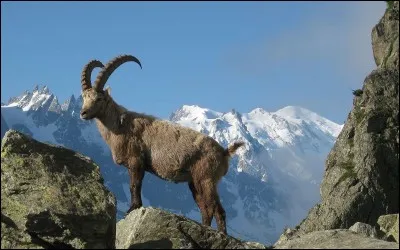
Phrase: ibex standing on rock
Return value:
(143, 143)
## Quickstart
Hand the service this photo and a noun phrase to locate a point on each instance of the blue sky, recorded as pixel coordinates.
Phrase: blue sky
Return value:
(218, 55)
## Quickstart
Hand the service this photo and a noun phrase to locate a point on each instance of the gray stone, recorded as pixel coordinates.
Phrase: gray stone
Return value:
(385, 38)
(364, 229)
(335, 239)
(52, 197)
(389, 225)
(155, 228)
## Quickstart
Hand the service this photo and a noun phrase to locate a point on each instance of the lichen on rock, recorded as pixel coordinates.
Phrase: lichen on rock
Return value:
(389, 224)
(53, 197)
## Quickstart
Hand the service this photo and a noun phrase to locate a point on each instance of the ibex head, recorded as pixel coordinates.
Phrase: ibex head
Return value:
(94, 98)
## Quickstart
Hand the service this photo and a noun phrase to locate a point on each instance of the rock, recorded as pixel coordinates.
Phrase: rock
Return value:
(364, 229)
(13, 238)
(361, 180)
(286, 235)
(155, 228)
(52, 197)
(389, 224)
(335, 239)
(385, 38)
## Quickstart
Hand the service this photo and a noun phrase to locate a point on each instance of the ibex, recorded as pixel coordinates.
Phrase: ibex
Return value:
(144, 143)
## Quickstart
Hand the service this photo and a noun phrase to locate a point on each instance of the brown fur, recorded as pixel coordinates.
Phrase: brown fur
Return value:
(172, 152)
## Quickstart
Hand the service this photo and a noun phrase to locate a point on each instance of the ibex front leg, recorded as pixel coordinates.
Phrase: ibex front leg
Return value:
(136, 174)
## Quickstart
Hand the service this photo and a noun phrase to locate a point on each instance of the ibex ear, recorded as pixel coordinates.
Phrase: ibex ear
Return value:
(108, 90)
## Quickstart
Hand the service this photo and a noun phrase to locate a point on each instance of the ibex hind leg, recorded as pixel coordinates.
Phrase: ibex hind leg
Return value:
(213, 204)
(197, 196)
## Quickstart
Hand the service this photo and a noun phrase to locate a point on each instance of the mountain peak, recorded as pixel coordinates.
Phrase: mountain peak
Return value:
(36, 88)
(294, 112)
(45, 90)
(69, 103)
(193, 112)
(258, 111)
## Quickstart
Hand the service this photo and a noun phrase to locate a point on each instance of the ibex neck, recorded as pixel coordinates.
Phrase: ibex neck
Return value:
(108, 120)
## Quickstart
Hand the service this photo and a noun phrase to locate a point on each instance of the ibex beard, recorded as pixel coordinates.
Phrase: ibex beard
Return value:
(143, 143)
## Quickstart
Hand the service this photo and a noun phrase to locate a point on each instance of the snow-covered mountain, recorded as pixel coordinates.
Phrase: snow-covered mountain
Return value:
(272, 182)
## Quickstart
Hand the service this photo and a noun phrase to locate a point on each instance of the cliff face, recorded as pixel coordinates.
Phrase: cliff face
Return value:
(361, 180)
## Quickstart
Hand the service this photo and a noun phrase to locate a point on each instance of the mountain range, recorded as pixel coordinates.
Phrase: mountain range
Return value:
(272, 182)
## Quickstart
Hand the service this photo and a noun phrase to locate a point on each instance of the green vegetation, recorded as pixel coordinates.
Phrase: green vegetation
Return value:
(348, 166)
(357, 92)
(298, 226)
(389, 4)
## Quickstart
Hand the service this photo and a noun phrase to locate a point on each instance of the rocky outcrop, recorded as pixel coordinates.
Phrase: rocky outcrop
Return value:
(335, 239)
(153, 228)
(52, 197)
(385, 38)
(361, 180)
(389, 225)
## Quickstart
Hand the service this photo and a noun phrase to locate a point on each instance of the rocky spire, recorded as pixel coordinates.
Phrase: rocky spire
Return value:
(36, 88)
(55, 106)
(69, 104)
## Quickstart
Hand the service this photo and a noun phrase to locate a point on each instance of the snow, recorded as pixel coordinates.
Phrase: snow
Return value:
(14, 104)
(36, 98)
(294, 113)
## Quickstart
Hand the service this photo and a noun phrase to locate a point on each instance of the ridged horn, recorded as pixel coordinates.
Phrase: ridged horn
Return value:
(106, 72)
(87, 73)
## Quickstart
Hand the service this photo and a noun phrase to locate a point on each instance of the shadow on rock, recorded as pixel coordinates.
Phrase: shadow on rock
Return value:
(153, 244)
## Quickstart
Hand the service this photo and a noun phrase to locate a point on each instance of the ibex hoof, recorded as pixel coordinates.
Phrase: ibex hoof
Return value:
(133, 208)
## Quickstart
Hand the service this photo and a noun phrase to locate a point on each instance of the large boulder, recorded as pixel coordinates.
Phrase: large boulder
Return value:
(52, 197)
(361, 180)
(389, 224)
(364, 229)
(335, 239)
(155, 228)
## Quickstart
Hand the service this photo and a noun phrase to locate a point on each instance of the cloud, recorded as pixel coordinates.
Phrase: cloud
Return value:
(336, 33)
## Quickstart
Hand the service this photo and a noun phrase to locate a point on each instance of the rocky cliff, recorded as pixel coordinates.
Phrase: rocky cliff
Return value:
(361, 180)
